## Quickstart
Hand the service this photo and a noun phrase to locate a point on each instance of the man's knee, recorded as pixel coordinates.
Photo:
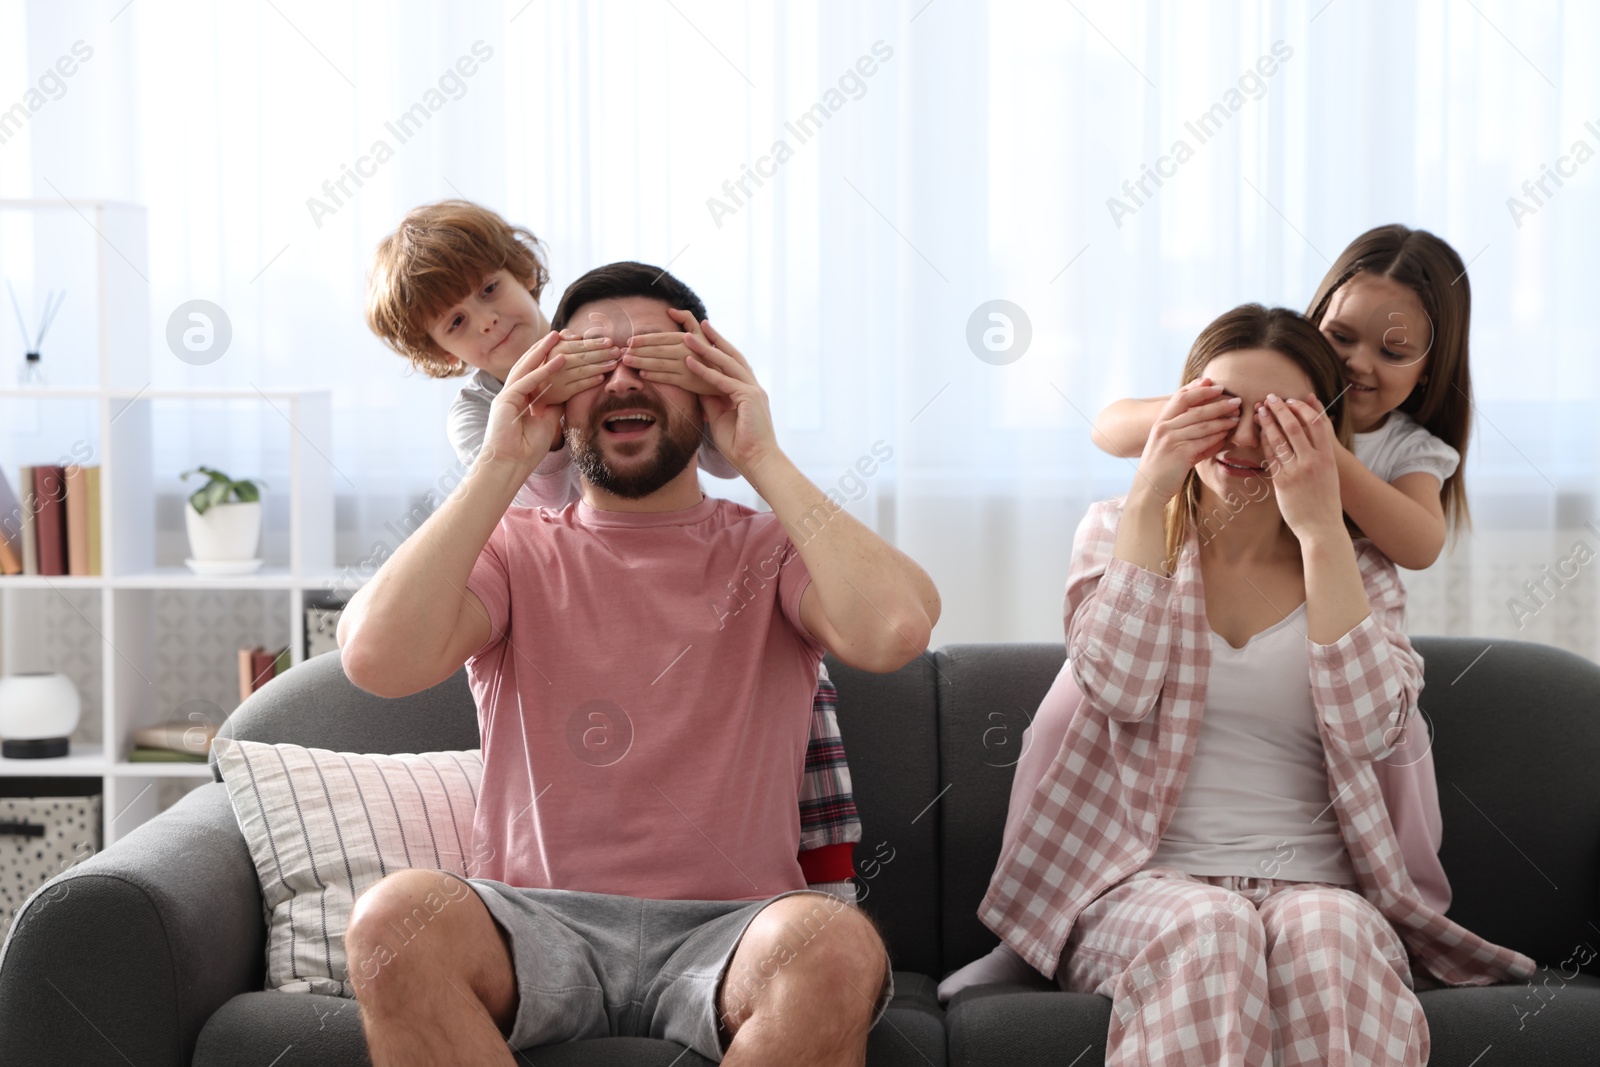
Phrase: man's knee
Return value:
(811, 945)
(410, 919)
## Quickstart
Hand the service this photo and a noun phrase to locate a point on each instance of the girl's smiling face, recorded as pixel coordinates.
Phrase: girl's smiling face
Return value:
(1381, 332)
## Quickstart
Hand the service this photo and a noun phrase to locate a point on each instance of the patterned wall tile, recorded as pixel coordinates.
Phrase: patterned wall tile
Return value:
(198, 637)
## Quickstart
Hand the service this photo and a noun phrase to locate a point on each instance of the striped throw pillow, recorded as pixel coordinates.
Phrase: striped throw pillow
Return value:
(324, 827)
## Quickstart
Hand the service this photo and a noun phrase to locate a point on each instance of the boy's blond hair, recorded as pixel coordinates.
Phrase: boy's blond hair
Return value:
(439, 253)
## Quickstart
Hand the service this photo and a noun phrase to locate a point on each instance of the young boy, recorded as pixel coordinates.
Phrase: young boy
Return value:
(455, 289)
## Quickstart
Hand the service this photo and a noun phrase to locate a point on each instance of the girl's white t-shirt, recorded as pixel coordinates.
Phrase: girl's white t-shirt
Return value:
(1402, 446)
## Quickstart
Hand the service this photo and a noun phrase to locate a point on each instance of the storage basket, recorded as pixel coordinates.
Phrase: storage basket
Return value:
(41, 836)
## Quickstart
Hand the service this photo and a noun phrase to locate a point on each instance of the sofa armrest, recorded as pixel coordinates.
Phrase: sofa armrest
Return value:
(130, 951)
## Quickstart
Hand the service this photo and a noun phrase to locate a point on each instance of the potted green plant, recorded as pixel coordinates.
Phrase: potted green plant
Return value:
(223, 518)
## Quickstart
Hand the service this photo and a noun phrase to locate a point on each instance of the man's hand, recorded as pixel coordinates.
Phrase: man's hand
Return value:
(738, 415)
(659, 357)
(523, 419)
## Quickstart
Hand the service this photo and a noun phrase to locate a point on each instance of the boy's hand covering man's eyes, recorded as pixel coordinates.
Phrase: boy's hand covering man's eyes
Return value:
(588, 362)
(658, 357)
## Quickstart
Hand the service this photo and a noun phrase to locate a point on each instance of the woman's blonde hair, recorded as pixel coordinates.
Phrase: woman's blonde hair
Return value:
(1280, 330)
(437, 256)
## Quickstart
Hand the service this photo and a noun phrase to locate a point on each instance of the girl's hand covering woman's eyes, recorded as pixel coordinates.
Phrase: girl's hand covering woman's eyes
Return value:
(1193, 426)
(1302, 462)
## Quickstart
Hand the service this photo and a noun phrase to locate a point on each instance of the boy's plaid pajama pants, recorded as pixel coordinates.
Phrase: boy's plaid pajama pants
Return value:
(1245, 971)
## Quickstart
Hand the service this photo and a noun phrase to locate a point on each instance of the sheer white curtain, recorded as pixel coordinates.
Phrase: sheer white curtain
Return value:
(936, 156)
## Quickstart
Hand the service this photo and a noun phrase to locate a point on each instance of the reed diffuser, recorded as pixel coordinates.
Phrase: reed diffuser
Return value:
(32, 372)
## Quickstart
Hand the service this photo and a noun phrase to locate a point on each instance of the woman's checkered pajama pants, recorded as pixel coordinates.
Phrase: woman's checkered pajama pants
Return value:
(1243, 972)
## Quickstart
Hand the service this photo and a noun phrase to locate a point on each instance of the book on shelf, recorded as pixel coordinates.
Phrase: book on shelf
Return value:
(50, 492)
(263, 665)
(10, 528)
(83, 520)
(30, 521)
(141, 754)
(188, 737)
(54, 529)
(92, 476)
(77, 497)
(257, 667)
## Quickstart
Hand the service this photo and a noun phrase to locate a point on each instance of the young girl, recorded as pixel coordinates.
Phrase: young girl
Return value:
(1237, 688)
(1396, 308)
(456, 287)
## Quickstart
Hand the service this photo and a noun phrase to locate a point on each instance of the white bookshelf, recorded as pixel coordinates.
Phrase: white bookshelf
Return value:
(45, 244)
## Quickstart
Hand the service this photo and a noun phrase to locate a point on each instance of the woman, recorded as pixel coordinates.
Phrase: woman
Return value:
(1209, 847)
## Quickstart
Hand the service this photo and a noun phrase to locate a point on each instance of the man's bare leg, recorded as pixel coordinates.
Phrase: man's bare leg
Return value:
(803, 985)
(432, 973)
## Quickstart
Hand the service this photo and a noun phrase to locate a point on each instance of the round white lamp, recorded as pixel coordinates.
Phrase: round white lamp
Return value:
(38, 712)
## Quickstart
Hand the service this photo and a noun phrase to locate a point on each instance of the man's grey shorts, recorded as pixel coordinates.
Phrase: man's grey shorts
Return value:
(602, 965)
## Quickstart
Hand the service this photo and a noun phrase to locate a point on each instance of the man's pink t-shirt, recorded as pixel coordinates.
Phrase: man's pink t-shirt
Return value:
(644, 702)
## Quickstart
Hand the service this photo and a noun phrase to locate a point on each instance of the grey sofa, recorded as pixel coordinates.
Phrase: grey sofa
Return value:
(152, 952)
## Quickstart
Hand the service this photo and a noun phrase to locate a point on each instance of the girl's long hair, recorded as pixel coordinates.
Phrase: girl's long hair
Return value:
(1429, 267)
(1281, 330)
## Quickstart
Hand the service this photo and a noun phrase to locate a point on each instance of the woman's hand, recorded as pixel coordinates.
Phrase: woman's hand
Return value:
(1302, 454)
(1193, 425)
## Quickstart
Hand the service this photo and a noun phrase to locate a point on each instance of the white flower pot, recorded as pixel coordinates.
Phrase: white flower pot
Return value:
(38, 712)
(225, 533)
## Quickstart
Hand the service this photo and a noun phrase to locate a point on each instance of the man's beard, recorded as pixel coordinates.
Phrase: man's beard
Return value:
(676, 444)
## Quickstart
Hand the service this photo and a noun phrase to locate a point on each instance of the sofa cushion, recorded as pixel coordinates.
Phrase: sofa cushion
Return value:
(1516, 731)
(1550, 1020)
(1002, 1025)
(888, 723)
(324, 827)
(1005, 1024)
(987, 697)
(310, 1030)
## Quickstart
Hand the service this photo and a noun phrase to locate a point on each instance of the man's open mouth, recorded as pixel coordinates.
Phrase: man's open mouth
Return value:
(632, 424)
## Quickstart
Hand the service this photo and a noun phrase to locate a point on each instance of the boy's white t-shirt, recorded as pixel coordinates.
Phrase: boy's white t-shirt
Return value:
(1402, 446)
(553, 483)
